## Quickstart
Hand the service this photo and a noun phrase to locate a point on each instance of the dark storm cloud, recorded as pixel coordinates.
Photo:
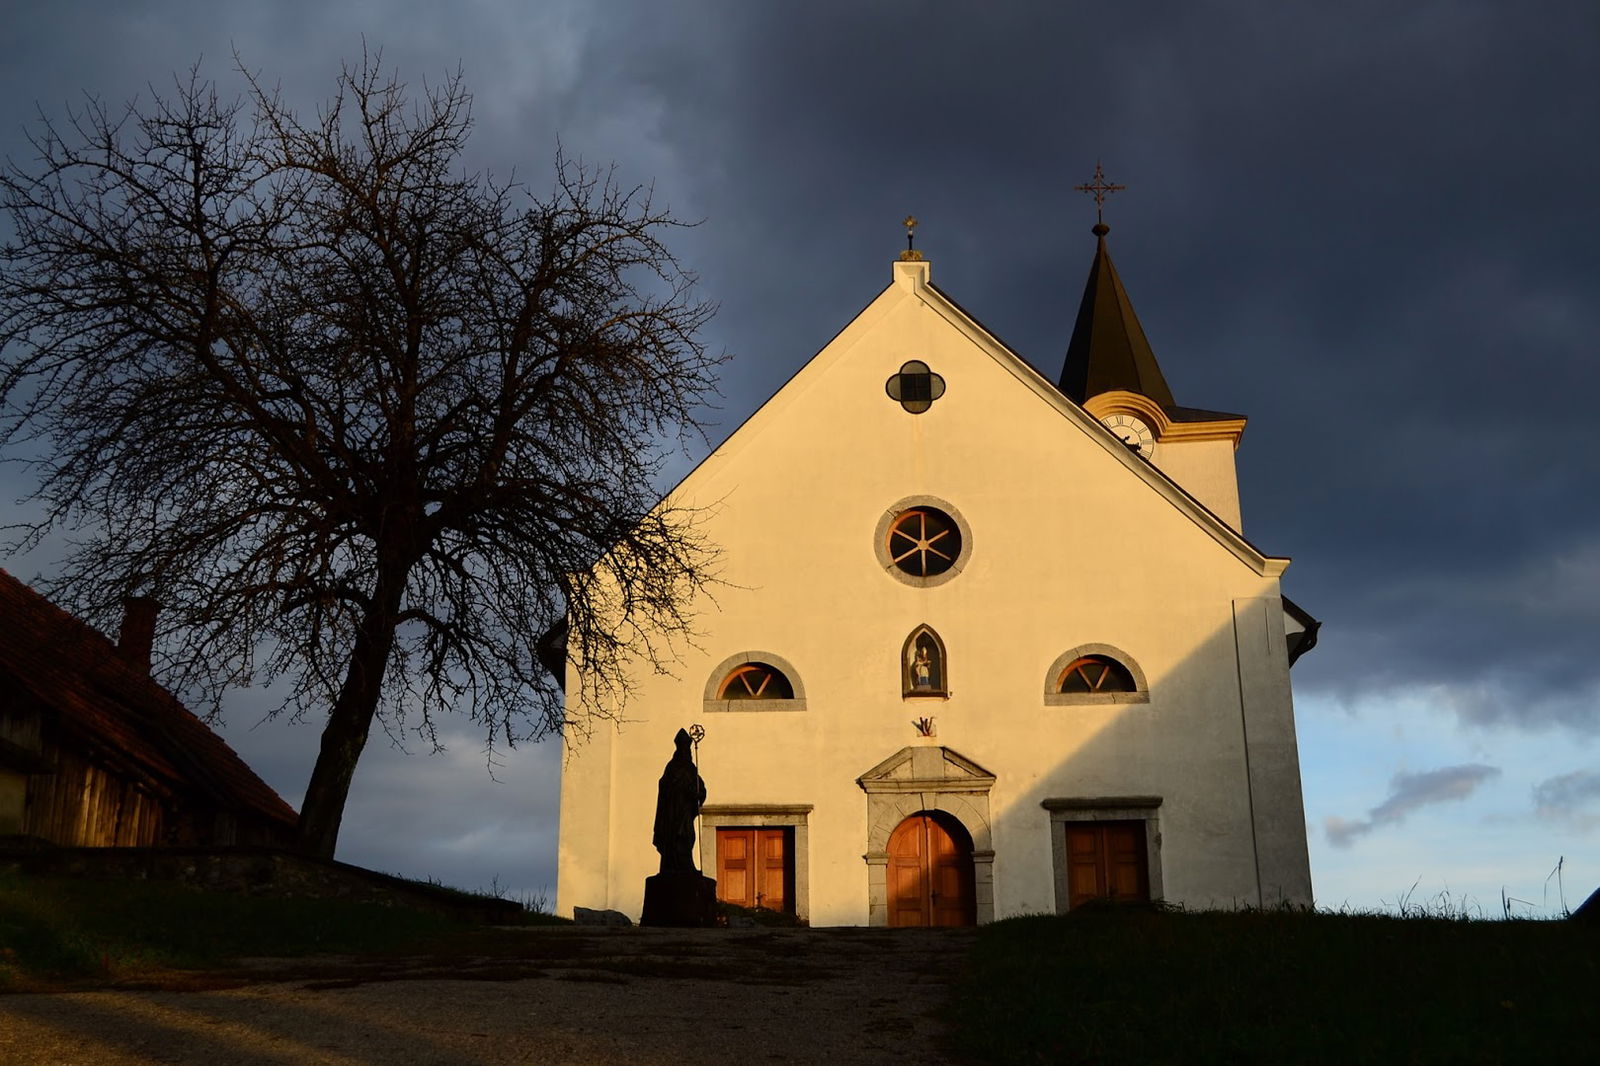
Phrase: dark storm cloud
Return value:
(1368, 226)
(1407, 793)
(1374, 244)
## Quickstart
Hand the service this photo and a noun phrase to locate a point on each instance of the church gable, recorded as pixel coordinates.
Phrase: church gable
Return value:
(844, 411)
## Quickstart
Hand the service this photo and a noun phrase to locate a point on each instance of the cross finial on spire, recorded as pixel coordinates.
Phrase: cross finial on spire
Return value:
(1100, 189)
(910, 255)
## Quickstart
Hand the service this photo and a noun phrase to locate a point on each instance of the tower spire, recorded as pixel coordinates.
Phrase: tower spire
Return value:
(1108, 350)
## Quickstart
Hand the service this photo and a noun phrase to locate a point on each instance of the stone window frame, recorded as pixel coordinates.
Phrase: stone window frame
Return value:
(1069, 810)
(713, 705)
(880, 541)
(796, 816)
(1055, 698)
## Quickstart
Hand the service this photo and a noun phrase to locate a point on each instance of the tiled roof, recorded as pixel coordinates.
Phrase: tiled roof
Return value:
(114, 705)
(1197, 414)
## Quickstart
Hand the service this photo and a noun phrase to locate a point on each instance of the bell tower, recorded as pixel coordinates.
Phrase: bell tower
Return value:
(1111, 370)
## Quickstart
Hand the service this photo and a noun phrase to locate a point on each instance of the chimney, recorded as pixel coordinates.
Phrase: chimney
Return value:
(138, 630)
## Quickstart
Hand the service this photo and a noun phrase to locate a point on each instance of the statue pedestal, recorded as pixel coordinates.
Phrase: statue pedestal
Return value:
(680, 898)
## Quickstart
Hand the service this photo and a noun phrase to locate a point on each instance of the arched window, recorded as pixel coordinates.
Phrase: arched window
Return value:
(924, 670)
(1095, 673)
(755, 681)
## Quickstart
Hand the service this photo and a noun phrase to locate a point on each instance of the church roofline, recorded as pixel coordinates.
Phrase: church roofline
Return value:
(1306, 639)
(1247, 553)
(913, 279)
(1218, 426)
(1199, 414)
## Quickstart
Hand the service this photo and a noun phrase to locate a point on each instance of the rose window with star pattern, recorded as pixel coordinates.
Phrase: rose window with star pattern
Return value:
(924, 542)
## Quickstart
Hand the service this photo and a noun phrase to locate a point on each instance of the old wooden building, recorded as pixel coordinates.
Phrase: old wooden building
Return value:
(93, 752)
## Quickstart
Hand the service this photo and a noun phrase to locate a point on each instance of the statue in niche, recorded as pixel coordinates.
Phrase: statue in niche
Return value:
(924, 671)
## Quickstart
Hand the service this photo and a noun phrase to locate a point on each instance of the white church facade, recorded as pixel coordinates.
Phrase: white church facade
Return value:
(986, 644)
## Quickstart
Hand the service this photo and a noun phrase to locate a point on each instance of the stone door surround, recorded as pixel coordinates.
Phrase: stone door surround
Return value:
(927, 777)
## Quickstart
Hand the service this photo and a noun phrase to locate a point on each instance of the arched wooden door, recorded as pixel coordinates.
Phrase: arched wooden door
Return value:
(930, 872)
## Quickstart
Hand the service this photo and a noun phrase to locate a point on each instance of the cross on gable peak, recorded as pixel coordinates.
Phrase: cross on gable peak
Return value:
(910, 255)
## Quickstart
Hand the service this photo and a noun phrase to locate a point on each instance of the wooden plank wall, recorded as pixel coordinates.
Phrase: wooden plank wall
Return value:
(82, 805)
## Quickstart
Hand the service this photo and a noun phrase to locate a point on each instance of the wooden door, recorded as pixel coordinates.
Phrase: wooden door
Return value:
(930, 878)
(755, 868)
(1106, 861)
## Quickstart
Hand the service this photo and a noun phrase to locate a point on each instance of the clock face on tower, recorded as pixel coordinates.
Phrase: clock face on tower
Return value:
(1132, 432)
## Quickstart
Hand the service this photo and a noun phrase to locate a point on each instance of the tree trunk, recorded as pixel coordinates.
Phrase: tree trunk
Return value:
(345, 735)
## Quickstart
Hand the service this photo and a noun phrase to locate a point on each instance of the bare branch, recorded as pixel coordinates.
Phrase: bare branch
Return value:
(358, 419)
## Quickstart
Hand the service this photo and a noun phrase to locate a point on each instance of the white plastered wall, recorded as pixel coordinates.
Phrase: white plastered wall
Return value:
(1206, 470)
(1071, 544)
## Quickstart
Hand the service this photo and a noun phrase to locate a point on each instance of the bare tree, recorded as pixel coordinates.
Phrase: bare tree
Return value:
(357, 418)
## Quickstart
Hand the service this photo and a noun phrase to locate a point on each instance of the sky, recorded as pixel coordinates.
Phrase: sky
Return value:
(1370, 227)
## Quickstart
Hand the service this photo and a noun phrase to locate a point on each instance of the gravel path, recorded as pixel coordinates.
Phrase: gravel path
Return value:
(562, 995)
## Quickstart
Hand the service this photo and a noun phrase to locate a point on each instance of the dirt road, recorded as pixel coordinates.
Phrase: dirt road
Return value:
(564, 995)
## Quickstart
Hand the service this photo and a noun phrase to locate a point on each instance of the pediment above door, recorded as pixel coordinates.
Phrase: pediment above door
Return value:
(925, 768)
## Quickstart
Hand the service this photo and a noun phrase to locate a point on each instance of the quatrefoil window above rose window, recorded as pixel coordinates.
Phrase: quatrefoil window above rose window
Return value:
(915, 387)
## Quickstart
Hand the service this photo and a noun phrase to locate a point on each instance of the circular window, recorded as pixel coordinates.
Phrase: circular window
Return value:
(924, 542)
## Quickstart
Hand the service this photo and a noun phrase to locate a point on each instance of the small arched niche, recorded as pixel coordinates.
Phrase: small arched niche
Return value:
(1094, 673)
(924, 667)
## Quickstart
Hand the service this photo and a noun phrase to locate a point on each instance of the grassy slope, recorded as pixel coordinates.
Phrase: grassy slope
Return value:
(1280, 988)
(59, 927)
